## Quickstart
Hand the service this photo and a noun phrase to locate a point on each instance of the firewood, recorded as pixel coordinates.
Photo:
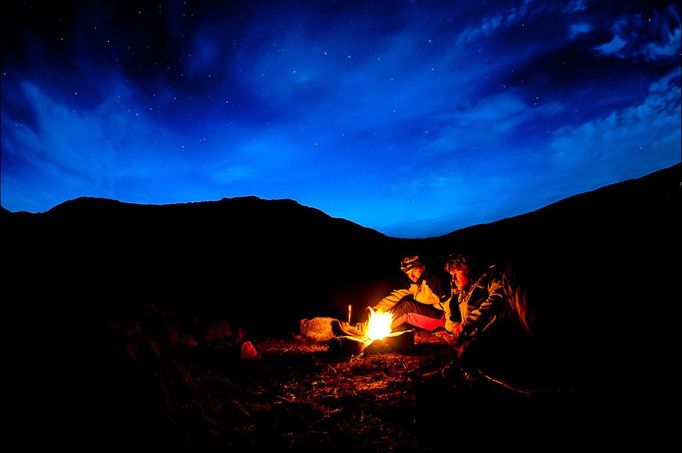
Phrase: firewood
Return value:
(346, 345)
(396, 342)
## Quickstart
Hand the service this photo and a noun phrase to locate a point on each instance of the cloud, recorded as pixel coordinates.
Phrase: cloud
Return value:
(645, 38)
(63, 139)
(494, 120)
(611, 47)
(518, 13)
(88, 151)
(636, 139)
(575, 6)
(579, 29)
(489, 24)
(317, 93)
(477, 187)
(668, 42)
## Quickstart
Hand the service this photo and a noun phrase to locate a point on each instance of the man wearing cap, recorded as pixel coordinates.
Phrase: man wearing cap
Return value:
(424, 304)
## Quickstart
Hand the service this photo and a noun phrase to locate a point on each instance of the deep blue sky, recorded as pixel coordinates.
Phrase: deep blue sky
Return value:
(415, 118)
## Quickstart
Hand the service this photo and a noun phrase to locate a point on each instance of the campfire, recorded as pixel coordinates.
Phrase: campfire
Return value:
(375, 336)
(378, 325)
(379, 336)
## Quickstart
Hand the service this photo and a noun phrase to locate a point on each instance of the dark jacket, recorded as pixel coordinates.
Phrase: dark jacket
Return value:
(482, 303)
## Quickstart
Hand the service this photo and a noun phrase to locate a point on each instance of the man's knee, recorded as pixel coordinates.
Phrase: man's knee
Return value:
(402, 308)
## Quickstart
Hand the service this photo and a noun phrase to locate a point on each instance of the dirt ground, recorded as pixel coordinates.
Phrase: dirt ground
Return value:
(299, 396)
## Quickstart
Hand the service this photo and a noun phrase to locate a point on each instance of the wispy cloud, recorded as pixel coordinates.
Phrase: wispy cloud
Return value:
(578, 29)
(649, 38)
(627, 142)
(91, 148)
(521, 13)
(485, 125)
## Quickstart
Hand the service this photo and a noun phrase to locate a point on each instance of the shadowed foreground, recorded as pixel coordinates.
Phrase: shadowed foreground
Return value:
(146, 388)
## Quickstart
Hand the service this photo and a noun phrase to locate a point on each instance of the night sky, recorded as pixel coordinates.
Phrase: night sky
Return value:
(415, 118)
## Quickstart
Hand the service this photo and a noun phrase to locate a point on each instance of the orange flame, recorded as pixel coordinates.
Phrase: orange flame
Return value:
(378, 325)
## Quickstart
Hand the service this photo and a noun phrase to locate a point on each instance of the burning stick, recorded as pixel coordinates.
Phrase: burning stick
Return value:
(350, 309)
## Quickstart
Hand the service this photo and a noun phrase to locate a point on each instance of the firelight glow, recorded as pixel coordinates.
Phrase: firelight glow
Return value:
(379, 324)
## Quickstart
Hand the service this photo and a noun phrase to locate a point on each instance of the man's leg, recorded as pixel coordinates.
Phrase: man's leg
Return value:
(417, 315)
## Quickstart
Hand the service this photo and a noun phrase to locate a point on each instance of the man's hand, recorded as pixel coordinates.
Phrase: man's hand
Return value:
(445, 335)
(457, 336)
(452, 338)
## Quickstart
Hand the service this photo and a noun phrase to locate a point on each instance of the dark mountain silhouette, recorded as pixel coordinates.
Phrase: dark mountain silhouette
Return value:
(281, 260)
(601, 271)
(265, 263)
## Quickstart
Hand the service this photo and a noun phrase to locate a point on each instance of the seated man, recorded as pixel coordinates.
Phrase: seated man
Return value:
(424, 303)
(493, 312)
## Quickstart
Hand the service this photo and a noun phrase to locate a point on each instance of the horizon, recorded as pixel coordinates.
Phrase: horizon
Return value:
(341, 218)
(414, 120)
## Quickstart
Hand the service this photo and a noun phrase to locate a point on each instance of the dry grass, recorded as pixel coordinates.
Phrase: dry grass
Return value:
(196, 393)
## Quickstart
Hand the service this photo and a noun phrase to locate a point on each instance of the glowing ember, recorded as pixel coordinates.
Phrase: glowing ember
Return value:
(379, 325)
